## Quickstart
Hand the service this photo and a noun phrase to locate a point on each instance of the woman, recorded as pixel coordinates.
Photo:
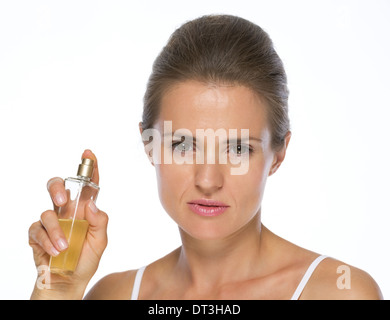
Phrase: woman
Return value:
(217, 73)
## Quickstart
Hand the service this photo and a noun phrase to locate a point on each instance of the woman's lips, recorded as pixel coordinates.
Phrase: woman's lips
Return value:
(207, 208)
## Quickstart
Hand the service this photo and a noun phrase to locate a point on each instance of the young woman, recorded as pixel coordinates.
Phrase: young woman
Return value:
(222, 74)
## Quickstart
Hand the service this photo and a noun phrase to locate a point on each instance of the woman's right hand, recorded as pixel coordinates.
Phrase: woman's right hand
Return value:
(47, 239)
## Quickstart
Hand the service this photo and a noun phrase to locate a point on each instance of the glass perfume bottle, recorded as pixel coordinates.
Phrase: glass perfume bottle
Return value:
(72, 218)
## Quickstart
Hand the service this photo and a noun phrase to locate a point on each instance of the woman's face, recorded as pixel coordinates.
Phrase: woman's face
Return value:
(193, 105)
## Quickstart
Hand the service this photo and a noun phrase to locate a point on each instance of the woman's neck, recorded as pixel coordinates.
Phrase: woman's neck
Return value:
(213, 263)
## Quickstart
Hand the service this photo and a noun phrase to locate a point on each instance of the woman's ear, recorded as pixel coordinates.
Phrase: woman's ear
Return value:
(280, 155)
(148, 150)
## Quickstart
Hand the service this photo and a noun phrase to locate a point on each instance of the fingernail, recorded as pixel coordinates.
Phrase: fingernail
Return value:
(60, 199)
(93, 207)
(54, 252)
(62, 244)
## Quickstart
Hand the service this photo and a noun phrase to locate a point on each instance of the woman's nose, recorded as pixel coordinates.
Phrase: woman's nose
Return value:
(208, 178)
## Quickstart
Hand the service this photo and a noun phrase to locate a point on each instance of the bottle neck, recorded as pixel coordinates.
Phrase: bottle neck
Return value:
(88, 179)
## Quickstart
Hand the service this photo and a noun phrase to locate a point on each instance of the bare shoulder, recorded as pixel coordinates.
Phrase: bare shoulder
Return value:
(115, 286)
(336, 280)
(119, 285)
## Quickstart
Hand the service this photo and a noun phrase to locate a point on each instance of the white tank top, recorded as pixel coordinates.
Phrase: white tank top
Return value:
(295, 296)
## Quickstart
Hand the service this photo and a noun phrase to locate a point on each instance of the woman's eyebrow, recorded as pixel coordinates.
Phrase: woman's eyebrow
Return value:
(187, 137)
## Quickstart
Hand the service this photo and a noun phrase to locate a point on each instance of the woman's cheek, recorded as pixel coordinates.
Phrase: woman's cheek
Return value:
(252, 185)
(171, 180)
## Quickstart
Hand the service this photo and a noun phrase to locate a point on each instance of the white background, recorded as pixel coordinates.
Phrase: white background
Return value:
(73, 75)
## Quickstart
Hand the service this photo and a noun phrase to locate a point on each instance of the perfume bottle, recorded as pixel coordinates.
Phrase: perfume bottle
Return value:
(72, 218)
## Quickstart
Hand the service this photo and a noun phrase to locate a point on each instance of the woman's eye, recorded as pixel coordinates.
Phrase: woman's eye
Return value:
(181, 146)
(240, 149)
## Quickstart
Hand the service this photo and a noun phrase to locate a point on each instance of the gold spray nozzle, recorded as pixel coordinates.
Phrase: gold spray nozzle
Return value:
(85, 168)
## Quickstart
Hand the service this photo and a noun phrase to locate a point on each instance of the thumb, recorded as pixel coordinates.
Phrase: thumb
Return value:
(97, 220)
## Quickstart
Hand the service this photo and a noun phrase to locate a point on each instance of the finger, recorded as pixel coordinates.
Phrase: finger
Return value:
(97, 220)
(57, 192)
(38, 235)
(88, 154)
(49, 220)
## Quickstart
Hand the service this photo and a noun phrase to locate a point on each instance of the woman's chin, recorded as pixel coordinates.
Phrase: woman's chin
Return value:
(205, 232)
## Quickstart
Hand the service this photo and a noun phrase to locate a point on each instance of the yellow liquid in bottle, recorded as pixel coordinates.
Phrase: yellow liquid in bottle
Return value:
(66, 262)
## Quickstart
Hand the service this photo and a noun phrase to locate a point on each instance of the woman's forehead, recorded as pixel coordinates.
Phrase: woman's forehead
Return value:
(196, 105)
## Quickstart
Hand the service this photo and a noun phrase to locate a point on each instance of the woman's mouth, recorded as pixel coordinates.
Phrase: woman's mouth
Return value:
(207, 208)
